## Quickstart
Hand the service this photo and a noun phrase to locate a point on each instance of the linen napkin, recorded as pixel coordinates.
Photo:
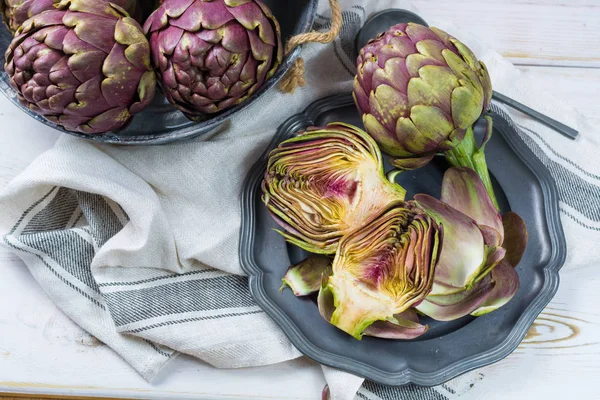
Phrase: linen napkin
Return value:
(139, 246)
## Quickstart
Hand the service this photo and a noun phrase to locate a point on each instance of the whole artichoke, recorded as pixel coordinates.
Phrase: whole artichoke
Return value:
(213, 54)
(325, 183)
(15, 12)
(420, 91)
(475, 274)
(84, 66)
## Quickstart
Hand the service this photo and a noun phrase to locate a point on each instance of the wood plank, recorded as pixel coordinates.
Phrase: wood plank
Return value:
(579, 86)
(548, 32)
(559, 357)
(47, 353)
(29, 397)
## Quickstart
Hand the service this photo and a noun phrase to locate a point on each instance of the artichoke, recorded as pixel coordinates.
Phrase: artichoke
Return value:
(475, 274)
(84, 66)
(379, 271)
(213, 54)
(324, 183)
(15, 12)
(420, 91)
(305, 277)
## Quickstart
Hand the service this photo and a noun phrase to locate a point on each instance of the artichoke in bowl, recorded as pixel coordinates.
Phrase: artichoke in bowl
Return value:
(420, 91)
(324, 183)
(84, 66)
(15, 12)
(211, 55)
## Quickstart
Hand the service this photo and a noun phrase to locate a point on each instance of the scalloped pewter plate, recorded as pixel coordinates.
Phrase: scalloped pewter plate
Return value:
(161, 122)
(448, 349)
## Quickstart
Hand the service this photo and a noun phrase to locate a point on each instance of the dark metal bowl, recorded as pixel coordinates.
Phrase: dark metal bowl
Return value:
(161, 122)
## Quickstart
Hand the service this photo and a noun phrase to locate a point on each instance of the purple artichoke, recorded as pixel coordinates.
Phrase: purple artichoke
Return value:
(475, 274)
(213, 54)
(84, 66)
(15, 12)
(420, 91)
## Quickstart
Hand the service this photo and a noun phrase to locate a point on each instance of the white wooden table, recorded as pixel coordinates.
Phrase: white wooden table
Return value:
(43, 353)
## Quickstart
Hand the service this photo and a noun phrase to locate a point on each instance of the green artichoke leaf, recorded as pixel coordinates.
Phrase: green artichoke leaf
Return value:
(448, 307)
(432, 127)
(305, 278)
(488, 291)
(381, 270)
(412, 163)
(384, 137)
(402, 326)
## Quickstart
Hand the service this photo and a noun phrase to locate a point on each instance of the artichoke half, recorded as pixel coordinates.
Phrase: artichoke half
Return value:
(379, 272)
(420, 91)
(475, 274)
(84, 66)
(382, 269)
(324, 183)
(212, 55)
(15, 12)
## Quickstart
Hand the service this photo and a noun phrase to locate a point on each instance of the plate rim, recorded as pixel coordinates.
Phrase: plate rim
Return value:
(408, 375)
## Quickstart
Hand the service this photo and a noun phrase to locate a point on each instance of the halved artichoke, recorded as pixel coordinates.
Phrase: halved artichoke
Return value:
(380, 271)
(325, 183)
(475, 274)
(312, 274)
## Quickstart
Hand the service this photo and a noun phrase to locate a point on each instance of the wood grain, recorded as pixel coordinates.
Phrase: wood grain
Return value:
(579, 85)
(29, 397)
(43, 352)
(558, 359)
(557, 33)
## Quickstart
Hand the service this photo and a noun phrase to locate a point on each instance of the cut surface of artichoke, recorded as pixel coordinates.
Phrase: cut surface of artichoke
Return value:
(325, 183)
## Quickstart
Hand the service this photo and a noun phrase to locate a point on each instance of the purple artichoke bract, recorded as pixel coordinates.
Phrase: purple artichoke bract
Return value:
(15, 12)
(419, 92)
(324, 183)
(213, 54)
(475, 274)
(84, 66)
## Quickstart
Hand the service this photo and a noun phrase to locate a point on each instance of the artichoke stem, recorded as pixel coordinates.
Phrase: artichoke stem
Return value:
(467, 154)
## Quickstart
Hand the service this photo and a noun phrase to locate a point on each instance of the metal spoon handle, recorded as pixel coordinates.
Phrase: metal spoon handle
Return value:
(552, 123)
